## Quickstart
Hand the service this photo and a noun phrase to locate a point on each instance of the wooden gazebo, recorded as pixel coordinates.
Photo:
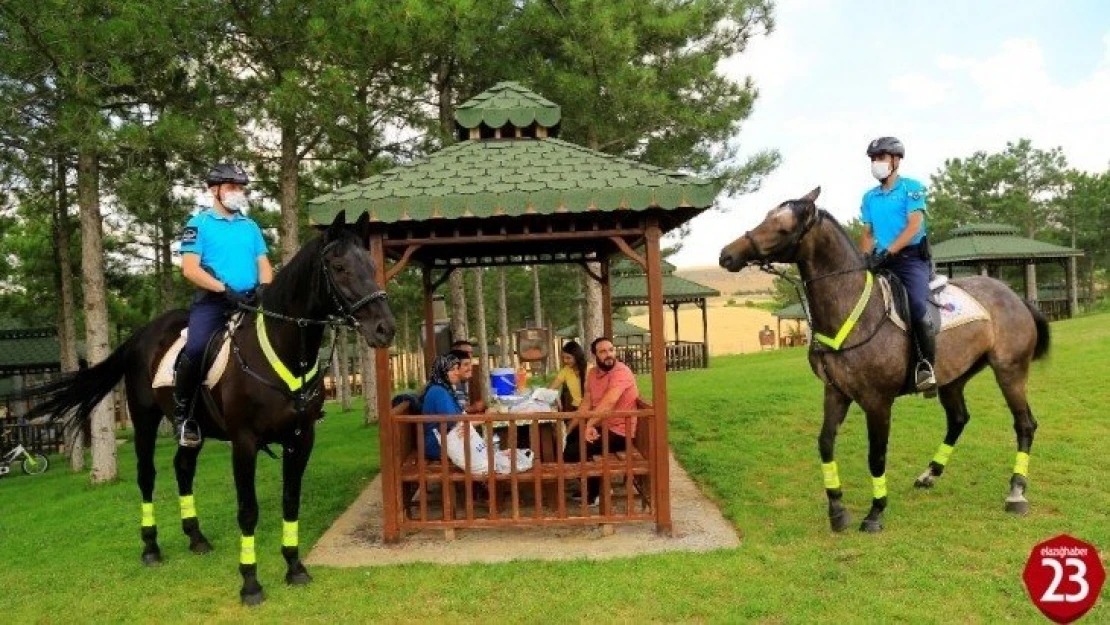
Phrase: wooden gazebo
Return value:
(630, 289)
(986, 248)
(29, 356)
(512, 193)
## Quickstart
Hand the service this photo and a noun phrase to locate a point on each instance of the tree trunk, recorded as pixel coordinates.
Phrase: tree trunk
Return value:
(288, 176)
(343, 370)
(96, 309)
(63, 282)
(504, 359)
(459, 329)
(369, 382)
(445, 94)
(164, 238)
(594, 322)
(483, 338)
(537, 300)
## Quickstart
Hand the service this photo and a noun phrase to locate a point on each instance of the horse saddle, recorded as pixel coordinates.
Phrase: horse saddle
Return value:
(952, 305)
(215, 356)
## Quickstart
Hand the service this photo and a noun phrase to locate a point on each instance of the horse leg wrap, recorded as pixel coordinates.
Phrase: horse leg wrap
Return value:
(878, 487)
(148, 514)
(188, 507)
(246, 551)
(289, 531)
(831, 475)
(944, 452)
(1021, 464)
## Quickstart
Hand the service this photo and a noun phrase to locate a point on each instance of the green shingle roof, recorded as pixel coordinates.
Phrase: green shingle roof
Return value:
(625, 267)
(484, 178)
(628, 290)
(793, 311)
(620, 328)
(995, 242)
(508, 102)
(29, 350)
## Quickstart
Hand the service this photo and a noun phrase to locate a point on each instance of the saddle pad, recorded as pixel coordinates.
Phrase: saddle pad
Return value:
(957, 307)
(163, 375)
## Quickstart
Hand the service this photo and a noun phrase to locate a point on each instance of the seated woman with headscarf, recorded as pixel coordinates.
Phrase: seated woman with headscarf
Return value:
(438, 398)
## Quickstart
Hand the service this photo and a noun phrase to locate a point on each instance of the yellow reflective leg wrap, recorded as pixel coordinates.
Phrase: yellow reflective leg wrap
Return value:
(1021, 463)
(944, 452)
(188, 507)
(831, 475)
(148, 515)
(246, 550)
(878, 486)
(289, 533)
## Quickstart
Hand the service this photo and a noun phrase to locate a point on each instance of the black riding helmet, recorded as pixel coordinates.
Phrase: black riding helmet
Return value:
(886, 145)
(227, 173)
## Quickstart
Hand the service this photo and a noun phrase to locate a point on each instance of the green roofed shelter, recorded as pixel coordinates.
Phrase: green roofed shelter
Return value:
(987, 248)
(630, 289)
(511, 192)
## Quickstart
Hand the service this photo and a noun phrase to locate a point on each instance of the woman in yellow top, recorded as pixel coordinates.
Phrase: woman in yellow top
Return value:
(571, 380)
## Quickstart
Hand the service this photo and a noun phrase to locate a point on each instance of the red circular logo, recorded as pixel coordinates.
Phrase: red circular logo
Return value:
(1064, 576)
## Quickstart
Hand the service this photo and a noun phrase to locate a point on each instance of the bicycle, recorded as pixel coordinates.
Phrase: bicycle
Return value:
(31, 463)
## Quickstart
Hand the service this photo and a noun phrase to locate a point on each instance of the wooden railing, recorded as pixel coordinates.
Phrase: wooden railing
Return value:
(681, 356)
(438, 494)
(45, 437)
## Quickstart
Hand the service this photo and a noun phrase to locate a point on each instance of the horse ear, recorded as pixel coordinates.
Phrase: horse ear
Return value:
(337, 224)
(812, 195)
(362, 227)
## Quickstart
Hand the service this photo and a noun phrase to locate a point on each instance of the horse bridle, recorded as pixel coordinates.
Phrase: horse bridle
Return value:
(346, 311)
(762, 259)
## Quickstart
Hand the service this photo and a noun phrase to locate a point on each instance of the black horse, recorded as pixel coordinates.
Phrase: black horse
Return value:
(260, 399)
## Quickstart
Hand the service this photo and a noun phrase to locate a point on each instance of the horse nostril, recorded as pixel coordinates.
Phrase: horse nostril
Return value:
(383, 332)
(726, 260)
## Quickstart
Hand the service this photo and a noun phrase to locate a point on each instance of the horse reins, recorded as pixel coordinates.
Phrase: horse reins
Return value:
(346, 317)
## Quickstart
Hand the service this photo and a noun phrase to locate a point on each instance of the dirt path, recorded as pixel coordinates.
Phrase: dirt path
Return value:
(355, 538)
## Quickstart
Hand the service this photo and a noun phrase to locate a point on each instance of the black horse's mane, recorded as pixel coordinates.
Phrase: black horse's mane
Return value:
(300, 282)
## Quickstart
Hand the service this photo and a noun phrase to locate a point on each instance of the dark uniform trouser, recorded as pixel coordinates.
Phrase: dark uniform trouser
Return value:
(915, 271)
(207, 314)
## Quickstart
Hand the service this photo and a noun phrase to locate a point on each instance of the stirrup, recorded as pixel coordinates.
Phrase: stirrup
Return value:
(181, 440)
(926, 379)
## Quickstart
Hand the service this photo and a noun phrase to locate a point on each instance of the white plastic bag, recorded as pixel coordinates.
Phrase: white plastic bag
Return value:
(502, 462)
(456, 449)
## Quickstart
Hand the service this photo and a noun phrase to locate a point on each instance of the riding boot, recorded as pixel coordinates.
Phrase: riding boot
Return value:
(186, 383)
(925, 376)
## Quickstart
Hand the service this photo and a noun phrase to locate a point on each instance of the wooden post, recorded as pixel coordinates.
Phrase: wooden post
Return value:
(606, 300)
(674, 309)
(391, 496)
(1073, 287)
(705, 329)
(429, 323)
(660, 448)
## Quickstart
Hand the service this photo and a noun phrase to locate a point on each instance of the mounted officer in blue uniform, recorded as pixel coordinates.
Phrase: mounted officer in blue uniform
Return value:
(894, 235)
(224, 255)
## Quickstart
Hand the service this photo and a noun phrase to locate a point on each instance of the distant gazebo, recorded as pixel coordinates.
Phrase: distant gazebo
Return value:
(985, 249)
(795, 313)
(630, 289)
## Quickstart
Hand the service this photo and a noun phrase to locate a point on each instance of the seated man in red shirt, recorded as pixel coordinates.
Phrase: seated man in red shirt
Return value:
(609, 386)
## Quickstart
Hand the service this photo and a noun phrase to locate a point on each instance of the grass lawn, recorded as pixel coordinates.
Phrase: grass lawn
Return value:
(745, 429)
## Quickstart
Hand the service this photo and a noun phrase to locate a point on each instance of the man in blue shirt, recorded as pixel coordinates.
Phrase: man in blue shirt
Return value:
(224, 255)
(894, 236)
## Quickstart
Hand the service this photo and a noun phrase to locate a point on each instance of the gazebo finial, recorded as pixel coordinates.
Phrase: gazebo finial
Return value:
(507, 110)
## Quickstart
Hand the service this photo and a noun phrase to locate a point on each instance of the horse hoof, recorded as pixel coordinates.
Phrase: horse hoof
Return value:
(871, 526)
(152, 558)
(925, 480)
(200, 547)
(840, 521)
(252, 599)
(300, 578)
(1018, 507)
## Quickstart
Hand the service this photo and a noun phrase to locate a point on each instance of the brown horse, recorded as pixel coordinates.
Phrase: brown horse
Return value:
(270, 392)
(871, 366)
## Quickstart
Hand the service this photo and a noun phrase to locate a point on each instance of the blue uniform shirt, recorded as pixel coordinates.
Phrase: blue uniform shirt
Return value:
(228, 247)
(888, 212)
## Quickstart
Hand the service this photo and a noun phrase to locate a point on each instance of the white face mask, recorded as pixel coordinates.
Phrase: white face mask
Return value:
(235, 201)
(880, 169)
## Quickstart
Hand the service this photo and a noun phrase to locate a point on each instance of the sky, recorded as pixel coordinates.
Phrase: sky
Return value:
(946, 77)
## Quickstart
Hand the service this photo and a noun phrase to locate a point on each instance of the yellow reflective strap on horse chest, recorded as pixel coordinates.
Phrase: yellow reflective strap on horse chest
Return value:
(944, 452)
(289, 533)
(831, 475)
(878, 486)
(1021, 463)
(292, 381)
(188, 507)
(148, 515)
(246, 550)
(850, 322)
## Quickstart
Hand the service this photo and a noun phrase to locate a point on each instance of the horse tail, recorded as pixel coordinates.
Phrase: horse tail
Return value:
(80, 392)
(1044, 338)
